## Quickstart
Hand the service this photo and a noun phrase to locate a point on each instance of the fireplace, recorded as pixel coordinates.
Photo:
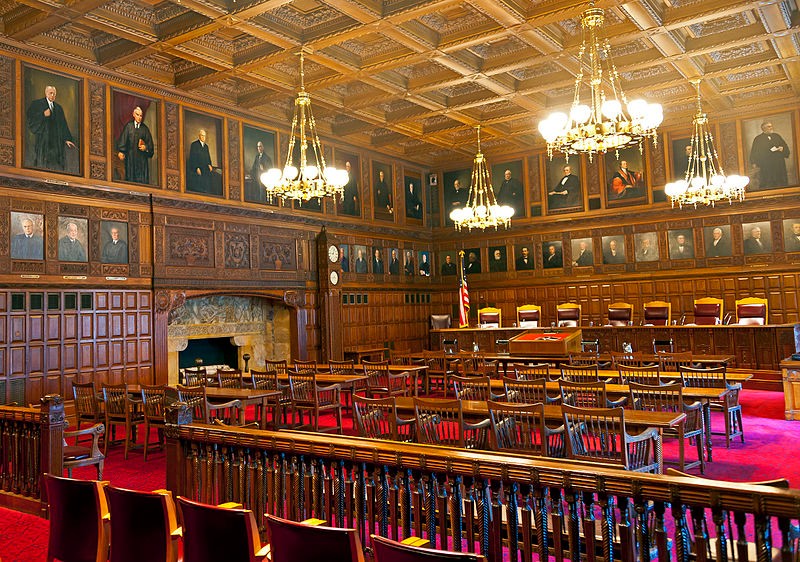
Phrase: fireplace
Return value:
(211, 351)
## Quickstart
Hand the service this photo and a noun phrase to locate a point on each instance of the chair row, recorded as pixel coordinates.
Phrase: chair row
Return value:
(93, 521)
(707, 311)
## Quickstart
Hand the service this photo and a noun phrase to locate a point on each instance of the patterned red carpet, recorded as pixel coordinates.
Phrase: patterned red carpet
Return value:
(23, 538)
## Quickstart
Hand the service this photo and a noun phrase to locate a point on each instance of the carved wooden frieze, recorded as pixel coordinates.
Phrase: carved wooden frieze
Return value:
(729, 151)
(277, 254)
(7, 154)
(97, 120)
(237, 250)
(5, 226)
(173, 182)
(533, 179)
(7, 99)
(656, 160)
(172, 143)
(97, 170)
(593, 177)
(189, 247)
(234, 150)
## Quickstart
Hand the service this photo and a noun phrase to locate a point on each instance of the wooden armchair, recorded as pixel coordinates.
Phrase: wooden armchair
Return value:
(532, 371)
(527, 391)
(377, 418)
(669, 398)
(80, 455)
(279, 367)
(580, 373)
(382, 382)
(529, 316)
(204, 411)
(657, 313)
(308, 396)
(305, 367)
(229, 378)
(644, 374)
(121, 410)
(194, 376)
(489, 317)
(751, 311)
(225, 532)
(475, 364)
(716, 377)
(670, 362)
(568, 314)
(708, 311)
(387, 550)
(144, 525)
(268, 380)
(520, 428)
(79, 519)
(292, 541)
(600, 435)
(473, 388)
(154, 408)
(620, 314)
(635, 358)
(87, 406)
(587, 395)
(441, 422)
(584, 358)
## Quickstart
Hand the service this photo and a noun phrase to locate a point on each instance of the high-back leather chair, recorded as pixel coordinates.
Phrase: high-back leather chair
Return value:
(708, 311)
(529, 316)
(78, 511)
(291, 541)
(387, 550)
(440, 321)
(143, 525)
(568, 314)
(751, 311)
(490, 317)
(657, 313)
(620, 314)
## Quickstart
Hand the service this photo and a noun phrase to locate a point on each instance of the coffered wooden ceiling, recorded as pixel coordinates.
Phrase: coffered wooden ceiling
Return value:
(412, 77)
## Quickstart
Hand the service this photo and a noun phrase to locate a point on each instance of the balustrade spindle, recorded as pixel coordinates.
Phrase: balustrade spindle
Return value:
(405, 505)
(512, 524)
(682, 546)
(573, 532)
(456, 515)
(588, 523)
(642, 527)
(659, 532)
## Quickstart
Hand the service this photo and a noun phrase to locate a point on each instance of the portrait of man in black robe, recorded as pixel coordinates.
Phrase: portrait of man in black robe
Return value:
(49, 132)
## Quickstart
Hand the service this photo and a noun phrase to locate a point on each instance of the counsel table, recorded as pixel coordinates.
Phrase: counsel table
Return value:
(479, 410)
(351, 382)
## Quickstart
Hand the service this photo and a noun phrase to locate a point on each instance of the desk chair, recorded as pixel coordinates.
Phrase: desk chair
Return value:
(568, 314)
(529, 316)
(489, 317)
(620, 314)
(708, 311)
(657, 313)
(751, 311)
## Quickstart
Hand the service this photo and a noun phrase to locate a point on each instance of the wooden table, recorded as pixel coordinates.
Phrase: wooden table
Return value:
(325, 377)
(505, 359)
(479, 410)
(359, 353)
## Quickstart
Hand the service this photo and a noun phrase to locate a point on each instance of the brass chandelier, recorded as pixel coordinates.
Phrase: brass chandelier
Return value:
(309, 177)
(705, 182)
(482, 210)
(605, 125)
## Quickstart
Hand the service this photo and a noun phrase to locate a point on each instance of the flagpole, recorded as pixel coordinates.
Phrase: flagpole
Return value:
(463, 294)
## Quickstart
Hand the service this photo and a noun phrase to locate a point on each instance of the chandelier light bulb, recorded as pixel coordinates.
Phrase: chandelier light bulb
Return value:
(289, 173)
(611, 109)
(310, 172)
(637, 108)
(580, 113)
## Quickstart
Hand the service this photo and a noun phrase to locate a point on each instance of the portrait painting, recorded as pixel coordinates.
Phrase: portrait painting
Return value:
(424, 263)
(681, 244)
(582, 254)
(409, 267)
(202, 151)
(717, 241)
(564, 191)
(552, 255)
(769, 148)
(134, 132)
(509, 186)
(472, 261)
(27, 236)
(449, 261)
(344, 257)
(258, 147)
(625, 177)
(756, 238)
(393, 261)
(523, 254)
(498, 259)
(414, 198)
(791, 235)
(377, 266)
(681, 152)
(113, 242)
(645, 246)
(72, 239)
(433, 180)
(456, 192)
(359, 259)
(382, 191)
(350, 202)
(613, 249)
(52, 139)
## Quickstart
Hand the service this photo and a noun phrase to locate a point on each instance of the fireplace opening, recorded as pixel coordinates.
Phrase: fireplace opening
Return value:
(213, 351)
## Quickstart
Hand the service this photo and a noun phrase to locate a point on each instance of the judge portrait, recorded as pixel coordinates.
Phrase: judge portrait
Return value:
(203, 146)
(72, 239)
(360, 265)
(508, 186)
(259, 156)
(135, 148)
(646, 246)
(449, 264)
(497, 259)
(456, 192)
(582, 252)
(791, 235)
(473, 261)
(115, 246)
(551, 255)
(394, 262)
(377, 261)
(524, 259)
(27, 242)
(413, 198)
(768, 155)
(424, 266)
(718, 241)
(382, 189)
(408, 263)
(681, 244)
(613, 250)
(566, 193)
(51, 126)
(757, 238)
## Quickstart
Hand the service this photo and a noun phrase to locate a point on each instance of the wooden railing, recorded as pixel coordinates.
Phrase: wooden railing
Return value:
(479, 501)
(31, 443)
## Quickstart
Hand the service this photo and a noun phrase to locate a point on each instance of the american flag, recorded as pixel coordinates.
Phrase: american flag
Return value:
(463, 302)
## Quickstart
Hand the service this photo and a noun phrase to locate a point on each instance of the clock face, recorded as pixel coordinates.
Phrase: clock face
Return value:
(334, 277)
(333, 253)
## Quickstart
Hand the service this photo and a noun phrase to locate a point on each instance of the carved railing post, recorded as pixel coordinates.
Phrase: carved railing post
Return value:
(176, 415)
(51, 441)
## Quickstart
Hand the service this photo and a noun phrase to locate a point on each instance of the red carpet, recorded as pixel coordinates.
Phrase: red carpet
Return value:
(763, 456)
